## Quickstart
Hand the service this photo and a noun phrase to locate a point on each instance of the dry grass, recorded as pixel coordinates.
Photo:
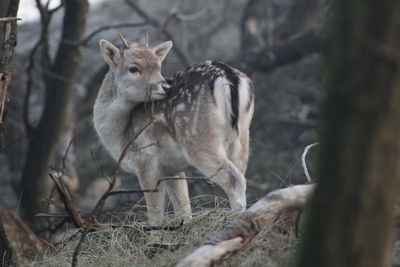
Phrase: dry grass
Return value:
(131, 246)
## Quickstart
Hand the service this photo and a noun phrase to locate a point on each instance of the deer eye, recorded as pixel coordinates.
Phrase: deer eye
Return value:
(133, 69)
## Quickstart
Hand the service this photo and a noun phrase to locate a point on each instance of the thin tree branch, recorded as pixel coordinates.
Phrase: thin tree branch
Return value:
(303, 160)
(9, 19)
(90, 36)
(157, 24)
(78, 249)
(296, 48)
(100, 204)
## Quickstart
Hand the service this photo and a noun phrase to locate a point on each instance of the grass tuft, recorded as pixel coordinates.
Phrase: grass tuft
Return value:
(132, 246)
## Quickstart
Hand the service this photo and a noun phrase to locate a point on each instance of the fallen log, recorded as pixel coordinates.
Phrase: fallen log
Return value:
(241, 231)
(18, 244)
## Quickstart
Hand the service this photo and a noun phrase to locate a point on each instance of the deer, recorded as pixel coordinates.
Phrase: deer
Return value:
(199, 117)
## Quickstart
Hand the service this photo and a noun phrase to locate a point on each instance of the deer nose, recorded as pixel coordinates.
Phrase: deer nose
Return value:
(166, 87)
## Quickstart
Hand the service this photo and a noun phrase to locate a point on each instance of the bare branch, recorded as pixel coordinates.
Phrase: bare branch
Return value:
(12, 142)
(69, 204)
(303, 160)
(9, 19)
(78, 249)
(241, 231)
(100, 204)
(157, 24)
(90, 36)
(296, 48)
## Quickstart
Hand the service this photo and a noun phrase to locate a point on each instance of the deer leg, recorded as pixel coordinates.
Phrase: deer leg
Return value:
(155, 201)
(177, 191)
(224, 173)
(242, 154)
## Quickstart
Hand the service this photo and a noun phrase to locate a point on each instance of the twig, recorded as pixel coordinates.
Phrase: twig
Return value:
(303, 160)
(52, 202)
(12, 142)
(77, 249)
(68, 149)
(52, 215)
(155, 190)
(9, 19)
(151, 228)
(129, 191)
(69, 204)
(157, 24)
(100, 204)
(66, 241)
(279, 178)
(109, 27)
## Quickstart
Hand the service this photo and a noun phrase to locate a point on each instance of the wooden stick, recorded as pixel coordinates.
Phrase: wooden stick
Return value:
(9, 19)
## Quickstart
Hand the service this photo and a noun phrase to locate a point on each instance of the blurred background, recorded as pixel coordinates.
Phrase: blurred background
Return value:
(276, 42)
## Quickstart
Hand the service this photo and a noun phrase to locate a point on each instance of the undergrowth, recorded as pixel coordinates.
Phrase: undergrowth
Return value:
(131, 245)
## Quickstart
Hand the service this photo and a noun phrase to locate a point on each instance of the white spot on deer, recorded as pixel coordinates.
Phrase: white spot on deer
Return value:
(244, 98)
(222, 96)
(196, 110)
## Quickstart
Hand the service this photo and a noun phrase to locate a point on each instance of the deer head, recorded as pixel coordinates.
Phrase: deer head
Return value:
(137, 70)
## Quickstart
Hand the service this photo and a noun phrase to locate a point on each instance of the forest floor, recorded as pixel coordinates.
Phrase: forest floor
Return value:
(134, 245)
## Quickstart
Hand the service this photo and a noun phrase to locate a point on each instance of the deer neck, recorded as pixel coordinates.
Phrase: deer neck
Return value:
(111, 113)
(107, 104)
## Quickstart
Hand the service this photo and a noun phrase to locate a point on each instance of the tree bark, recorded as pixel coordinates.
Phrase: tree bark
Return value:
(351, 221)
(8, 41)
(59, 83)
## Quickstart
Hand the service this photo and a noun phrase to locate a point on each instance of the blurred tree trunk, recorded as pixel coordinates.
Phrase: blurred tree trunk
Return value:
(59, 82)
(351, 221)
(8, 40)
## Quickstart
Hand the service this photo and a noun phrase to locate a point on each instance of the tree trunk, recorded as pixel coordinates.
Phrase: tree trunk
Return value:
(8, 41)
(351, 221)
(59, 87)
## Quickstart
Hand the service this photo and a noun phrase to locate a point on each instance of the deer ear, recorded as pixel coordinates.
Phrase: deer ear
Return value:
(162, 50)
(110, 53)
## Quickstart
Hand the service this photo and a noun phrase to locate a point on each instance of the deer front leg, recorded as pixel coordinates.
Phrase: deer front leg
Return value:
(177, 191)
(224, 173)
(155, 201)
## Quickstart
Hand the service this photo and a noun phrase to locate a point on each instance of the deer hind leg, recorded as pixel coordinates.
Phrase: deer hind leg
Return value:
(155, 201)
(178, 193)
(224, 173)
(240, 152)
